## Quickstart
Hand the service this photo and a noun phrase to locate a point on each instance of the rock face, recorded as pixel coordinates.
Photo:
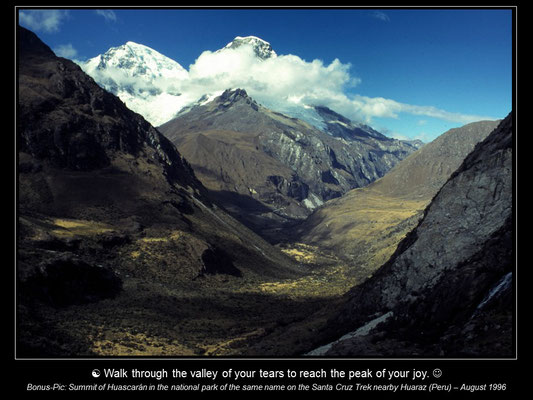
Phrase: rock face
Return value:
(278, 168)
(436, 284)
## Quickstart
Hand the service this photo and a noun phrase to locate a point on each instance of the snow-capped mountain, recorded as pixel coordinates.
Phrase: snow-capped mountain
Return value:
(137, 60)
(145, 80)
(160, 89)
(261, 48)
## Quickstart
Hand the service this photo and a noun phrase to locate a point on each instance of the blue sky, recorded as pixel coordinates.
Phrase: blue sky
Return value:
(419, 72)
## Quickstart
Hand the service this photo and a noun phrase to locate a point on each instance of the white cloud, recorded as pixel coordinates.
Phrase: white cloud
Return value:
(282, 78)
(47, 21)
(430, 111)
(66, 51)
(108, 15)
(289, 79)
(365, 108)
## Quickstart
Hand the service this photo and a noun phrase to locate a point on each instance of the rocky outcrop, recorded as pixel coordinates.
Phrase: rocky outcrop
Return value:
(435, 283)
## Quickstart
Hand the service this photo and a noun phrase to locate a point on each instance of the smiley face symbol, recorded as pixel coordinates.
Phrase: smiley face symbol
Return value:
(95, 373)
(437, 373)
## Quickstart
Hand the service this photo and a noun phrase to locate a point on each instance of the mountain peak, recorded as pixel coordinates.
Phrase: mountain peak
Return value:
(339, 126)
(231, 97)
(144, 79)
(233, 94)
(250, 39)
(134, 44)
(31, 44)
(136, 59)
(138, 48)
(261, 48)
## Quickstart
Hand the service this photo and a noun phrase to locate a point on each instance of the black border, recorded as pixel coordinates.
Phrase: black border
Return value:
(473, 371)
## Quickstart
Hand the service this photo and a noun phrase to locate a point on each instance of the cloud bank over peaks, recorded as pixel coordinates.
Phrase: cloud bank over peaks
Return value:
(282, 78)
(285, 83)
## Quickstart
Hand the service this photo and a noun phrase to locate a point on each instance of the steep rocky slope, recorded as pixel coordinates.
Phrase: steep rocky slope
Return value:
(366, 224)
(119, 248)
(447, 290)
(267, 168)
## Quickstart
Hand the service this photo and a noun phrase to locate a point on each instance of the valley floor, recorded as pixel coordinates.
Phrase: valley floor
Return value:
(206, 315)
(147, 321)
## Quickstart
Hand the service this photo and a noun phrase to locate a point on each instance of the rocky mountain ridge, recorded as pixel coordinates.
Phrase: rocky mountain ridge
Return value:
(284, 166)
